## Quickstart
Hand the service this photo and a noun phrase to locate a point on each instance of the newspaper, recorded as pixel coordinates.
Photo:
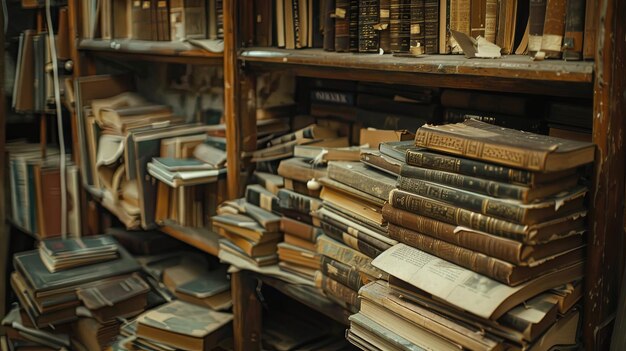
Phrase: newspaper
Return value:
(456, 285)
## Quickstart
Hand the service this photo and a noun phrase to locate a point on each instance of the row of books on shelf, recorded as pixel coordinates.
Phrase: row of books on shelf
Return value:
(550, 28)
(448, 239)
(163, 20)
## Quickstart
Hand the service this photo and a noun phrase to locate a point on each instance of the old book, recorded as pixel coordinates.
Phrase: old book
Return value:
(566, 296)
(252, 248)
(182, 325)
(353, 192)
(302, 187)
(416, 35)
(479, 101)
(359, 176)
(396, 149)
(346, 255)
(48, 193)
(574, 27)
(468, 291)
(263, 22)
(514, 211)
(342, 25)
(589, 40)
(261, 197)
(352, 206)
(477, 18)
(329, 25)
(59, 254)
(244, 226)
(376, 159)
(455, 215)
(319, 154)
(553, 28)
(340, 272)
(337, 290)
(444, 34)
(291, 200)
(301, 230)
(431, 26)
(271, 182)
(297, 269)
(407, 227)
(494, 268)
(119, 298)
(399, 25)
(536, 20)
(294, 254)
(491, 16)
(424, 158)
(353, 26)
(376, 236)
(502, 146)
(300, 169)
(384, 32)
(487, 187)
(368, 18)
(532, 318)
(360, 245)
(506, 25)
(420, 325)
(295, 240)
(211, 289)
(369, 335)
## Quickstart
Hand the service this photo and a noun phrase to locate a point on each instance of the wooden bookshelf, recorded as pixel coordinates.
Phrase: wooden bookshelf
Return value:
(203, 239)
(151, 51)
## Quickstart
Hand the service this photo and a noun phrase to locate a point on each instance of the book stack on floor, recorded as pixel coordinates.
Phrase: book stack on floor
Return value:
(490, 223)
(94, 281)
(35, 192)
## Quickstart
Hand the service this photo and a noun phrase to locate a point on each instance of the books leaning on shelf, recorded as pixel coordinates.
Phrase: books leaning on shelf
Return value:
(550, 28)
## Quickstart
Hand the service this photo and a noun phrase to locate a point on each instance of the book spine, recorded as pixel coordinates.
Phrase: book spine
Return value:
(353, 26)
(455, 215)
(384, 31)
(477, 262)
(431, 26)
(297, 202)
(444, 27)
(345, 238)
(453, 164)
(553, 28)
(589, 40)
(536, 19)
(477, 18)
(452, 115)
(269, 203)
(263, 22)
(518, 157)
(301, 230)
(399, 40)
(342, 26)
(482, 186)
(416, 36)
(368, 18)
(337, 290)
(460, 15)
(329, 25)
(342, 273)
(370, 240)
(574, 26)
(491, 20)
(504, 249)
(296, 24)
(379, 162)
(349, 256)
(465, 199)
(372, 186)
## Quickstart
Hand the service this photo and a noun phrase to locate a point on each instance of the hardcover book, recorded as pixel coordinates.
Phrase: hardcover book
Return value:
(359, 176)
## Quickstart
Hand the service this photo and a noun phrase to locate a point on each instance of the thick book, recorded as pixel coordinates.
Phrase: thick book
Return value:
(363, 178)
(352, 206)
(553, 28)
(396, 149)
(536, 20)
(454, 215)
(342, 25)
(261, 197)
(537, 212)
(482, 186)
(329, 25)
(424, 158)
(118, 298)
(494, 268)
(300, 169)
(431, 26)
(366, 334)
(509, 147)
(352, 192)
(408, 227)
(301, 230)
(295, 240)
(263, 22)
(574, 27)
(336, 290)
(253, 249)
(368, 18)
(376, 159)
(399, 25)
(184, 326)
(353, 26)
(271, 182)
(339, 235)
(244, 226)
(346, 255)
(343, 273)
(416, 36)
(291, 200)
(374, 236)
(491, 16)
(298, 255)
(463, 288)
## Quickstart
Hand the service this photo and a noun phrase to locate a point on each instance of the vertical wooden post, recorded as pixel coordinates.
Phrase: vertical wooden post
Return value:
(246, 312)
(4, 230)
(607, 202)
(231, 90)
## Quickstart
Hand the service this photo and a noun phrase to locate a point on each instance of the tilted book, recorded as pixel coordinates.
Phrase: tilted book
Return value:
(363, 178)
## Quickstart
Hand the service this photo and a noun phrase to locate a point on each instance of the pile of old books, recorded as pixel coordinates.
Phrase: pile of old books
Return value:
(490, 223)
(60, 254)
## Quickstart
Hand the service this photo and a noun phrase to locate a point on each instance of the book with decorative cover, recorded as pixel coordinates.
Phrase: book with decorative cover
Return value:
(431, 26)
(349, 256)
(509, 147)
(361, 177)
(399, 25)
(368, 18)
(417, 31)
(353, 26)
(342, 25)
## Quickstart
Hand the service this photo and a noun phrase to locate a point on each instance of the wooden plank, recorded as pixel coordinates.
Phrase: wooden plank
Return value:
(606, 236)
(231, 89)
(200, 238)
(512, 66)
(247, 321)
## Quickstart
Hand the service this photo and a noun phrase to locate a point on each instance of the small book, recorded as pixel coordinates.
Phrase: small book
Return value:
(184, 326)
(117, 298)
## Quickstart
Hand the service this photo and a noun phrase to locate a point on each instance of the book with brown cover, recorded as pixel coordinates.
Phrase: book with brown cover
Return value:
(574, 27)
(337, 290)
(295, 240)
(302, 230)
(416, 36)
(494, 268)
(553, 28)
(346, 255)
(300, 170)
(505, 249)
(376, 159)
(341, 272)
(297, 255)
(342, 25)
(368, 17)
(458, 216)
(263, 25)
(118, 298)
(589, 40)
(352, 241)
(353, 26)
(399, 25)
(329, 25)
(431, 26)
(491, 17)
(48, 190)
(509, 147)
(383, 27)
(444, 26)
(478, 10)
(363, 178)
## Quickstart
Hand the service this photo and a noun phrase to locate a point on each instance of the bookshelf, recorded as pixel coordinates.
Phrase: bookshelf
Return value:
(203, 239)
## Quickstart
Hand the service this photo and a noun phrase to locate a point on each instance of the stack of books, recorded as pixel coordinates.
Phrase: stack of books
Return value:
(60, 254)
(490, 223)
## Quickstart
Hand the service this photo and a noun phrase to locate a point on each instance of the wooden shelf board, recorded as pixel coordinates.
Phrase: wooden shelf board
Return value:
(200, 238)
(308, 296)
(511, 66)
(141, 50)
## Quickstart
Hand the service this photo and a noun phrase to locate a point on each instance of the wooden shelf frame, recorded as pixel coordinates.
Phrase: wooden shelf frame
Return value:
(151, 51)
(203, 239)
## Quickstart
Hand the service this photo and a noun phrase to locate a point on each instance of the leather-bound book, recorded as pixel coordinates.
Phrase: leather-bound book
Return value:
(431, 26)
(337, 290)
(400, 25)
(329, 25)
(353, 26)
(341, 272)
(117, 298)
(491, 19)
(553, 28)
(263, 22)
(574, 27)
(368, 18)
(342, 25)
(361, 177)
(417, 31)
(383, 30)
